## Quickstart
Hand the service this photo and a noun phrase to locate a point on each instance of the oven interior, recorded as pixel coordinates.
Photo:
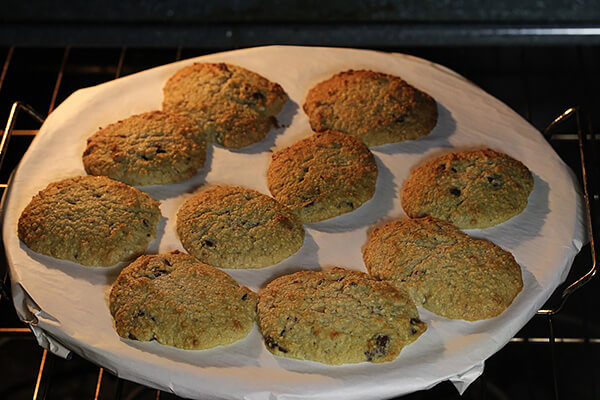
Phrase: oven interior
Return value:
(553, 356)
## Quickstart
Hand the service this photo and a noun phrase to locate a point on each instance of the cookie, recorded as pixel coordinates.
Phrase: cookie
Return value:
(323, 176)
(378, 108)
(233, 106)
(178, 301)
(91, 220)
(235, 227)
(471, 189)
(147, 149)
(336, 317)
(444, 270)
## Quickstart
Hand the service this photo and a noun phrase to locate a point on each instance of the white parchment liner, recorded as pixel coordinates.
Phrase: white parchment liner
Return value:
(69, 301)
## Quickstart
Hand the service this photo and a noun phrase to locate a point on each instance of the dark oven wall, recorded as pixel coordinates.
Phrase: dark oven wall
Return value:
(540, 58)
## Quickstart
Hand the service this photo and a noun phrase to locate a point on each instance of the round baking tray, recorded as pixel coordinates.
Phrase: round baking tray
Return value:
(69, 301)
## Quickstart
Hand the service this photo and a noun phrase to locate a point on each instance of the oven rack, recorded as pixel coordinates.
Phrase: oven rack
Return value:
(540, 343)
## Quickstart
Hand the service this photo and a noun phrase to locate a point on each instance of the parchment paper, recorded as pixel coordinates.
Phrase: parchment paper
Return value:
(67, 302)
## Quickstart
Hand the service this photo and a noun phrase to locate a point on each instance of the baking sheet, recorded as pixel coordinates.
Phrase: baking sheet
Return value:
(68, 302)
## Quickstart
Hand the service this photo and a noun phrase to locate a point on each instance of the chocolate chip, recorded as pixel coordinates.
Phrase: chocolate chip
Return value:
(159, 272)
(132, 337)
(245, 296)
(207, 243)
(272, 344)
(165, 261)
(399, 118)
(160, 150)
(495, 180)
(145, 222)
(453, 169)
(455, 191)
(379, 349)
(143, 156)
(346, 204)
(258, 96)
(282, 333)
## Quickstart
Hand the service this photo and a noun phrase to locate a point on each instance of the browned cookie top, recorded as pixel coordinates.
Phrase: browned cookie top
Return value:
(147, 149)
(444, 269)
(178, 301)
(91, 220)
(235, 107)
(376, 107)
(337, 316)
(471, 189)
(323, 176)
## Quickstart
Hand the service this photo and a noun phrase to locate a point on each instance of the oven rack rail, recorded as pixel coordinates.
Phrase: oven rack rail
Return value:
(588, 163)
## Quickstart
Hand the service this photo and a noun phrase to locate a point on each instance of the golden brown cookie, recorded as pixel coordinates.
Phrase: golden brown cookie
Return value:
(233, 106)
(147, 149)
(91, 220)
(235, 227)
(323, 176)
(178, 301)
(443, 269)
(378, 108)
(471, 189)
(336, 317)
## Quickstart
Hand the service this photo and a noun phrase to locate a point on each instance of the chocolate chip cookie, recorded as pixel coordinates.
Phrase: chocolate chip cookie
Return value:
(471, 189)
(335, 317)
(233, 106)
(378, 108)
(323, 176)
(178, 301)
(91, 220)
(444, 270)
(235, 227)
(147, 149)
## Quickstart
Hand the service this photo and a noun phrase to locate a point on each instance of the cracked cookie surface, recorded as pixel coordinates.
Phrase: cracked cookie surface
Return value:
(323, 176)
(233, 106)
(444, 270)
(235, 227)
(91, 220)
(147, 149)
(178, 301)
(337, 316)
(378, 108)
(471, 189)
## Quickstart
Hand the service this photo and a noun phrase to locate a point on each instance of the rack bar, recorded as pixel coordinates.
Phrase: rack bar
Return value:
(587, 185)
(40, 384)
(120, 63)
(59, 78)
(9, 55)
(14, 331)
(98, 383)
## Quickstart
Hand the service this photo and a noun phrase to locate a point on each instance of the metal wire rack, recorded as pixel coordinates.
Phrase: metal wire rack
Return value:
(552, 357)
